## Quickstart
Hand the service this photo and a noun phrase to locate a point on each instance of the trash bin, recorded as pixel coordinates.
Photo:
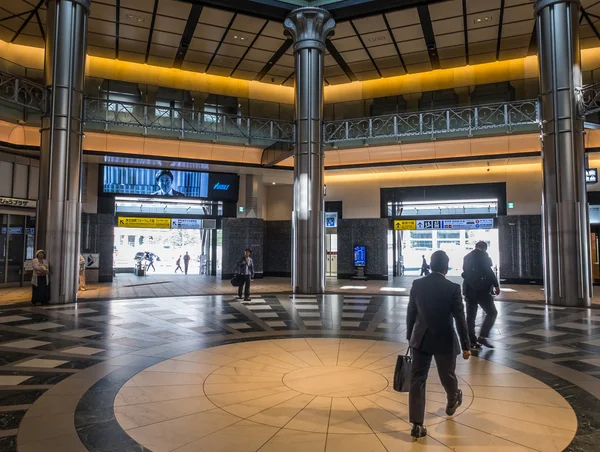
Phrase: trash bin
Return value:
(139, 269)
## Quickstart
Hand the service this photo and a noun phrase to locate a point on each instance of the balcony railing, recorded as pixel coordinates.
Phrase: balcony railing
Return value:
(22, 92)
(589, 100)
(459, 120)
(185, 122)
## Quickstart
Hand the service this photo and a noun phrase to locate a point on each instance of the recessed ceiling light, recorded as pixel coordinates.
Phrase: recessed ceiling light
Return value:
(481, 20)
(133, 18)
(377, 38)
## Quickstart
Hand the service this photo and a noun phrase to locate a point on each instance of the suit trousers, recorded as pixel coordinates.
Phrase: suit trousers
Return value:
(487, 304)
(245, 286)
(421, 362)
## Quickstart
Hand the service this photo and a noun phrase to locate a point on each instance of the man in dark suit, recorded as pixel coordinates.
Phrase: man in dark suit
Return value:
(435, 305)
(479, 282)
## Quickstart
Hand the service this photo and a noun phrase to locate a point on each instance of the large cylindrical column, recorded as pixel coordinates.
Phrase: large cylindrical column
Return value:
(59, 199)
(567, 272)
(309, 28)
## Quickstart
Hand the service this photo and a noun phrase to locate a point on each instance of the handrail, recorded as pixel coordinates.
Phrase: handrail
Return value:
(22, 91)
(185, 122)
(589, 99)
(505, 115)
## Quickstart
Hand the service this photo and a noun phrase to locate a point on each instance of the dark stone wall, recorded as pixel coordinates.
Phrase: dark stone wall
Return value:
(97, 236)
(521, 248)
(278, 248)
(239, 234)
(371, 233)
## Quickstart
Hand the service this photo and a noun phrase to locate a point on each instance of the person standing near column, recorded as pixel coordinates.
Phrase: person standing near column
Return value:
(480, 286)
(186, 261)
(40, 281)
(434, 306)
(246, 270)
(82, 285)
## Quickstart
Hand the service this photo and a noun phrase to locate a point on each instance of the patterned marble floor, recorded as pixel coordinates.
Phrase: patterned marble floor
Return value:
(116, 375)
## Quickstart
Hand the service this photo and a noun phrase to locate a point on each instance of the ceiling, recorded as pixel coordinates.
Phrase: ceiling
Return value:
(244, 38)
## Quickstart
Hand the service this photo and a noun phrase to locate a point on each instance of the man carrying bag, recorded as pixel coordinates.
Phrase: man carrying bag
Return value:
(435, 305)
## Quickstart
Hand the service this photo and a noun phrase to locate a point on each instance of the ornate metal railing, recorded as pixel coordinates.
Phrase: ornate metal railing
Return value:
(185, 122)
(506, 115)
(589, 99)
(22, 91)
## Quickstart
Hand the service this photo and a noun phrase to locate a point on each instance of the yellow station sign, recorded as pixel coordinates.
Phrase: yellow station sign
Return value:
(405, 225)
(138, 222)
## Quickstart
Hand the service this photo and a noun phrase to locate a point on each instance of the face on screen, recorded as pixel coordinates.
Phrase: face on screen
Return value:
(165, 183)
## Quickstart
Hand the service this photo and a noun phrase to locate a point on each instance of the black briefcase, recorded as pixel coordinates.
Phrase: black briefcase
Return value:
(402, 372)
(237, 280)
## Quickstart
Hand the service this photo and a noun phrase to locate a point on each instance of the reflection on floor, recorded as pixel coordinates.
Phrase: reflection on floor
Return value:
(131, 286)
(202, 373)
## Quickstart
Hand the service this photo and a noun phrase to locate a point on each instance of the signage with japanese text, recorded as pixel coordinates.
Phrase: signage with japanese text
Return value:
(481, 223)
(405, 225)
(140, 222)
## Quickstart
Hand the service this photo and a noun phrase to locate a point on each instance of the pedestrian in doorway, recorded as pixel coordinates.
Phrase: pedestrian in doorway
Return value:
(40, 281)
(82, 285)
(178, 263)
(434, 306)
(246, 270)
(186, 262)
(150, 257)
(424, 266)
(480, 286)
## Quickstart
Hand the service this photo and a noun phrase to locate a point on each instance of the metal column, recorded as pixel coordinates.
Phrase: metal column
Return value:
(59, 200)
(567, 271)
(309, 28)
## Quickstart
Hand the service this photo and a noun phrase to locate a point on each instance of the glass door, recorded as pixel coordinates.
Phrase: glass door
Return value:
(331, 251)
(16, 248)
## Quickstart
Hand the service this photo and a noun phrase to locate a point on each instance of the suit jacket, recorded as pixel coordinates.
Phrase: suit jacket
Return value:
(435, 305)
(480, 262)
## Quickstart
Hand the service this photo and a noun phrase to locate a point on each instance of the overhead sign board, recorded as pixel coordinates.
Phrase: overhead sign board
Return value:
(186, 223)
(140, 222)
(17, 202)
(591, 175)
(331, 219)
(405, 225)
(480, 223)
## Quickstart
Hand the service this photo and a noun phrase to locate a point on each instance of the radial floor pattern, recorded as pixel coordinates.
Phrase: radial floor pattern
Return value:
(316, 394)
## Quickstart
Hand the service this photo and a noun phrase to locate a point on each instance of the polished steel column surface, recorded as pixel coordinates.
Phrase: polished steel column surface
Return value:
(59, 201)
(564, 207)
(309, 28)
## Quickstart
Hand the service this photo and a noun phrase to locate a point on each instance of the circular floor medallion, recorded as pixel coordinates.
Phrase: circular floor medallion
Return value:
(335, 381)
(326, 394)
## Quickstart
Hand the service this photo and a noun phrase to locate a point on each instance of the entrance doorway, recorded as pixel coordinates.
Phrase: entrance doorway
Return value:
(157, 250)
(411, 246)
(332, 254)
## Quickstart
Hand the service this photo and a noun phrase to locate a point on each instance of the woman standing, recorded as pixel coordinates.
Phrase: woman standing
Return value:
(40, 289)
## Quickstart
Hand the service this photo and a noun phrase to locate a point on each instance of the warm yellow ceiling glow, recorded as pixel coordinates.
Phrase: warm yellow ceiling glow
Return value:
(421, 175)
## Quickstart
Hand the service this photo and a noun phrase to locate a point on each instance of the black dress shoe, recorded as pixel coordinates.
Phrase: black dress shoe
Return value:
(485, 342)
(475, 346)
(453, 406)
(418, 431)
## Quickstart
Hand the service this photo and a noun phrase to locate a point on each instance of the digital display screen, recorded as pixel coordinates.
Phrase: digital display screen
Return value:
(360, 256)
(168, 183)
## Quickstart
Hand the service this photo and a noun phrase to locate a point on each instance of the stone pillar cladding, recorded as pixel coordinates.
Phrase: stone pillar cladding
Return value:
(567, 269)
(309, 28)
(59, 201)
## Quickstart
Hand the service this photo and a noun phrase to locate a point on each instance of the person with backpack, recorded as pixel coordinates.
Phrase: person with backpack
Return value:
(480, 285)
(245, 268)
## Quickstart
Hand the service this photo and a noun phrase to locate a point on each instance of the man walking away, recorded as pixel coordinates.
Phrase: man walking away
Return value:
(435, 305)
(246, 270)
(424, 267)
(178, 263)
(186, 262)
(479, 282)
